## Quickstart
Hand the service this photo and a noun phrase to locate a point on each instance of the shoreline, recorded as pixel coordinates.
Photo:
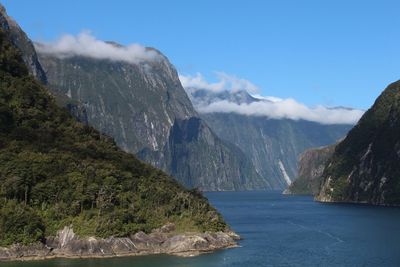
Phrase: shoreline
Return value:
(184, 254)
(160, 241)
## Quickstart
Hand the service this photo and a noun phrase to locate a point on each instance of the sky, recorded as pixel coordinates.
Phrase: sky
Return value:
(331, 53)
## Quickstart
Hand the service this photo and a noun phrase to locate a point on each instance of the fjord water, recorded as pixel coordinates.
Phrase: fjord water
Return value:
(281, 230)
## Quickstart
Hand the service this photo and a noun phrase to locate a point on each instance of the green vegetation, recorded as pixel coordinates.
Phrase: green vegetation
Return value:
(365, 166)
(55, 171)
(301, 186)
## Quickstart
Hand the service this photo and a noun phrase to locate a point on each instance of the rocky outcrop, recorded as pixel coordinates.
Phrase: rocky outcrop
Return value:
(160, 241)
(365, 166)
(311, 164)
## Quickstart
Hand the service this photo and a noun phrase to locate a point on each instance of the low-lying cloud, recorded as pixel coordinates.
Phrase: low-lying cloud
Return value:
(268, 106)
(286, 109)
(225, 82)
(85, 44)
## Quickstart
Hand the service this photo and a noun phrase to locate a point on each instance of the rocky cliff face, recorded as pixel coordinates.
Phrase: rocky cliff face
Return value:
(137, 104)
(272, 145)
(144, 107)
(191, 140)
(311, 164)
(365, 166)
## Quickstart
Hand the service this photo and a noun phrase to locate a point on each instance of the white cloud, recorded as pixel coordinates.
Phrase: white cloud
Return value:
(84, 44)
(268, 106)
(225, 82)
(286, 109)
(268, 98)
(198, 82)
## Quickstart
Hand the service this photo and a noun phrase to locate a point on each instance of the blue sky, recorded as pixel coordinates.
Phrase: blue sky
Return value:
(318, 52)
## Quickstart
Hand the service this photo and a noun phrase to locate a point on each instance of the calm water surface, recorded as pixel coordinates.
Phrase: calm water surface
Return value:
(283, 230)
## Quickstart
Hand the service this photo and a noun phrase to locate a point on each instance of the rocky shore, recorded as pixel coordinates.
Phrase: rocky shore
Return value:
(164, 240)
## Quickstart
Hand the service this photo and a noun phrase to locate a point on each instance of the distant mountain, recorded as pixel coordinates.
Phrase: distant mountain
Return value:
(365, 166)
(202, 97)
(311, 164)
(144, 107)
(272, 145)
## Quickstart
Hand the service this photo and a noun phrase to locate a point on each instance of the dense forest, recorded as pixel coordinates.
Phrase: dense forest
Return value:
(55, 171)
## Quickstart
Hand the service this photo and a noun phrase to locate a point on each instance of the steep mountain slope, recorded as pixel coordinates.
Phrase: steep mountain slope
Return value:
(144, 107)
(22, 42)
(137, 104)
(365, 166)
(272, 145)
(311, 164)
(192, 138)
(56, 172)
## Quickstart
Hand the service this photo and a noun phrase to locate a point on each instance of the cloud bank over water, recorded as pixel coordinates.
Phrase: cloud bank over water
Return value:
(268, 106)
(85, 44)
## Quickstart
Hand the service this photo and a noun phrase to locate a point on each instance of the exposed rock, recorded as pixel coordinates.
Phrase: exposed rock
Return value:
(193, 150)
(168, 228)
(163, 240)
(311, 167)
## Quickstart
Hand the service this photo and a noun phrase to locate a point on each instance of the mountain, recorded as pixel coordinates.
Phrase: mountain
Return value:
(365, 166)
(57, 172)
(194, 152)
(272, 145)
(145, 109)
(311, 164)
(30, 58)
(22, 42)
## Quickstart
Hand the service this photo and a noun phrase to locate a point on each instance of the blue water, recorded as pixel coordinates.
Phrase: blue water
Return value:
(283, 230)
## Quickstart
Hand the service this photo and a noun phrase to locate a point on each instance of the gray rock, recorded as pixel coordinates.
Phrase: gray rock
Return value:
(67, 244)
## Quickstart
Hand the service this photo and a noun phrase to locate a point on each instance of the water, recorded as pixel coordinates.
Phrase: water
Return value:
(283, 231)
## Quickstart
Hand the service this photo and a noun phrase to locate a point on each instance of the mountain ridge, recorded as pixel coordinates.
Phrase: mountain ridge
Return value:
(364, 167)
